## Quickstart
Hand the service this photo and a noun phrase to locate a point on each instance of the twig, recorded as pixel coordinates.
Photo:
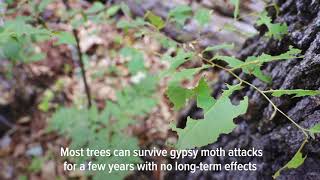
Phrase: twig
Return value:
(260, 91)
(83, 70)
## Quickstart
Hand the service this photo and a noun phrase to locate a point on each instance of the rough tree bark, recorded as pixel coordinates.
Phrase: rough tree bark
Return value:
(278, 138)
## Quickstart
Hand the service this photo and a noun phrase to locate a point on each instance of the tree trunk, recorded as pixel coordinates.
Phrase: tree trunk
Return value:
(278, 138)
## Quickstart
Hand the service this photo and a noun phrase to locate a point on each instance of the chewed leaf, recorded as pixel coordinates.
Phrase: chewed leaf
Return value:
(295, 92)
(178, 95)
(180, 58)
(252, 65)
(275, 30)
(218, 119)
(203, 93)
(295, 162)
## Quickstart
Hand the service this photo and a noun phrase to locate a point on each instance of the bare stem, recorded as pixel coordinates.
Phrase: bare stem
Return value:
(83, 70)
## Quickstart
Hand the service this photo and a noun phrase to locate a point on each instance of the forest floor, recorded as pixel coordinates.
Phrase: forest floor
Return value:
(27, 149)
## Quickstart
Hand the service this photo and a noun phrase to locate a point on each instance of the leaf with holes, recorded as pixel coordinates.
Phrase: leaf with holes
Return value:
(295, 92)
(218, 119)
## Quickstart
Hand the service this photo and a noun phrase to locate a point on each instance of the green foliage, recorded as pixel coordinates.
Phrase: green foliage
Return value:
(155, 20)
(104, 130)
(295, 162)
(314, 130)
(185, 74)
(36, 164)
(65, 38)
(203, 94)
(96, 7)
(276, 30)
(17, 39)
(253, 64)
(38, 7)
(218, 119)
(295, 92)
(112, 10)
(125, 9)
(22, 177)
(202, 16)
(179, 59)
(180, 14)
(45, 102)
(136, 62)
(178, 95)
(125, 24)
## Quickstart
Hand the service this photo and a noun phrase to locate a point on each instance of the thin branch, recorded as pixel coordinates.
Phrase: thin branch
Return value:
(260, 91)
(83, 70)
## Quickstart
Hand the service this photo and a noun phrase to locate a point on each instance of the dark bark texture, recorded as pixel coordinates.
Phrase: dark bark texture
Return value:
(278, 138)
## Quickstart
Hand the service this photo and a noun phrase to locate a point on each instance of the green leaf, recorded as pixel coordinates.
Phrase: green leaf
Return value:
(125, 24)
(65, 38)
(186, 74)
(136, 65)
(36, 164)
(276, 30)
(295, 92)
(295, 162)
(202, 16)
(113, 10)
(180, 14)
(217, 120)
(179, 59)
(236, 11)
(178, 95)
(253, 64)
(125, 9)
(203, 93)
(219, 47)
(37, 57)
(136, 60)
(155, 20)
(96, 7)
(232, 61)
(314, 130)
